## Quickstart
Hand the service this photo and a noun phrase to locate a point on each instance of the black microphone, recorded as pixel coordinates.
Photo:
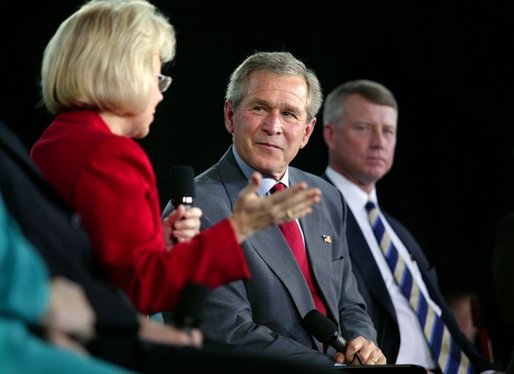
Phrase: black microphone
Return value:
(182, 185)
(326, 331)
(187, 311)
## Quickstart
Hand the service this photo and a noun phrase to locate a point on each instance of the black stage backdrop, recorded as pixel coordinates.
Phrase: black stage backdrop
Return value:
(449, 64)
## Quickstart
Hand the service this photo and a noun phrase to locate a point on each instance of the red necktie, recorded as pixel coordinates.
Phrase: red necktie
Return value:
(291, 232)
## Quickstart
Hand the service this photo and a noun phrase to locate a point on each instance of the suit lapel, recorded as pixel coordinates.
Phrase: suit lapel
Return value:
(363, 260)
(319, 252)
(272, 247)
(269, 244)
(320, 257)
(232, 177)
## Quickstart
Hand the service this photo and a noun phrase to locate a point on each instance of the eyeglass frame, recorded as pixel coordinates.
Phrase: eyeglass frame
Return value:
(163, 82)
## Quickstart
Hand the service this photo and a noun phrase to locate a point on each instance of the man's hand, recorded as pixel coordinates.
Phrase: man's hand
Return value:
(157, 332)
(367, 351)
(69, 311)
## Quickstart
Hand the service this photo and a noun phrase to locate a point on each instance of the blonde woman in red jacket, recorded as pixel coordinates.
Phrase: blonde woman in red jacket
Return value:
(101, 77)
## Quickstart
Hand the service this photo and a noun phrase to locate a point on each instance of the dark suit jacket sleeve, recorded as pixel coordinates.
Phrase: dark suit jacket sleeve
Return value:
(55, 232)
(354, 319)
(429, 275)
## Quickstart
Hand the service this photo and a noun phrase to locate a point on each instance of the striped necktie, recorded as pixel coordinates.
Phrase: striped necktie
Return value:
(293, 236)
(444, 349)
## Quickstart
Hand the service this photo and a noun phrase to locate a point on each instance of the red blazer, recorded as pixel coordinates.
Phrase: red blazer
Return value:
(109, 180)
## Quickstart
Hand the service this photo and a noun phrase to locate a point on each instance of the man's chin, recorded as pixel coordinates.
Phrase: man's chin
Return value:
(269, 169)
(374, 176)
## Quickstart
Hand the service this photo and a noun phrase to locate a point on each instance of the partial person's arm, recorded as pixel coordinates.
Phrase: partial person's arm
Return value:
(69, 320)
(23, 277)
(58, 307)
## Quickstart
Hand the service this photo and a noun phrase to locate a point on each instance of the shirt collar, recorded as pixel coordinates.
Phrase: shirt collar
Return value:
(355, 197)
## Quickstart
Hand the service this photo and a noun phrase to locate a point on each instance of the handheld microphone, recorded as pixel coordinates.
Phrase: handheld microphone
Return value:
(182, 185)
(326, 331)
(187, 311)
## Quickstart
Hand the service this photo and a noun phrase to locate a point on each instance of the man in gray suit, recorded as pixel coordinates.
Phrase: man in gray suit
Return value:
(270, 108)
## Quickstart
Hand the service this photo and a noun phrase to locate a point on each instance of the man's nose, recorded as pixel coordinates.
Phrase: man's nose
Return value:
(272, 123)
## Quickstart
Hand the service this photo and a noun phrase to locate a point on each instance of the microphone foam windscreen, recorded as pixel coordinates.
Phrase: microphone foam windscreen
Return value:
(320, 326)
(182, 181)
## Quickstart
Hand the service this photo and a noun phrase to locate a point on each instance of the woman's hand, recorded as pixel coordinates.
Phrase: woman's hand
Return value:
(181, 225)
(253, 212)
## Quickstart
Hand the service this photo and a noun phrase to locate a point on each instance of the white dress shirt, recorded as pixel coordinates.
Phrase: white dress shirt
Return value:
(414, 348)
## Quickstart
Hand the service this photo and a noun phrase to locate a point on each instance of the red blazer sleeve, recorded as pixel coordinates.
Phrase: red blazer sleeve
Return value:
(117, 198)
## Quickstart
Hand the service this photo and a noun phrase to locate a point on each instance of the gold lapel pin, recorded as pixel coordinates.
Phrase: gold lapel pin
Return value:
(327, 239)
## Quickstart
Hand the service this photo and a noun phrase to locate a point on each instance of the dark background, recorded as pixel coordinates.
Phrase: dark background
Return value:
(449, 65)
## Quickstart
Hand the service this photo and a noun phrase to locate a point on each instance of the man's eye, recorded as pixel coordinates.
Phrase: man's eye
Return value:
(289, 115)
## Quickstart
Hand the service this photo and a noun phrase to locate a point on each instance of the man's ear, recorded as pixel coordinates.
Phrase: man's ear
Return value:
(228, 114)
(329, 134)
(309, 129)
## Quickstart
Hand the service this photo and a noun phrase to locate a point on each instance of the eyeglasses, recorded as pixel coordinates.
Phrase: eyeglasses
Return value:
(164, 82)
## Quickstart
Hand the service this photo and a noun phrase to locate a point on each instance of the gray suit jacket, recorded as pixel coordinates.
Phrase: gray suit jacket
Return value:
(264, 313)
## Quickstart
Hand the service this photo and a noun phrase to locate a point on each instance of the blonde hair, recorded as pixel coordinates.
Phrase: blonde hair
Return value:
(102, 56)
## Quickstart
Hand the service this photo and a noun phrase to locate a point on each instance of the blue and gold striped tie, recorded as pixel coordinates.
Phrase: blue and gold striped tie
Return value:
(444, 349)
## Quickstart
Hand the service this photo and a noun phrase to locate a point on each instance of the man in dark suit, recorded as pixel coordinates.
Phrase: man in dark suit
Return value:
(360, 123)
(270, 108)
